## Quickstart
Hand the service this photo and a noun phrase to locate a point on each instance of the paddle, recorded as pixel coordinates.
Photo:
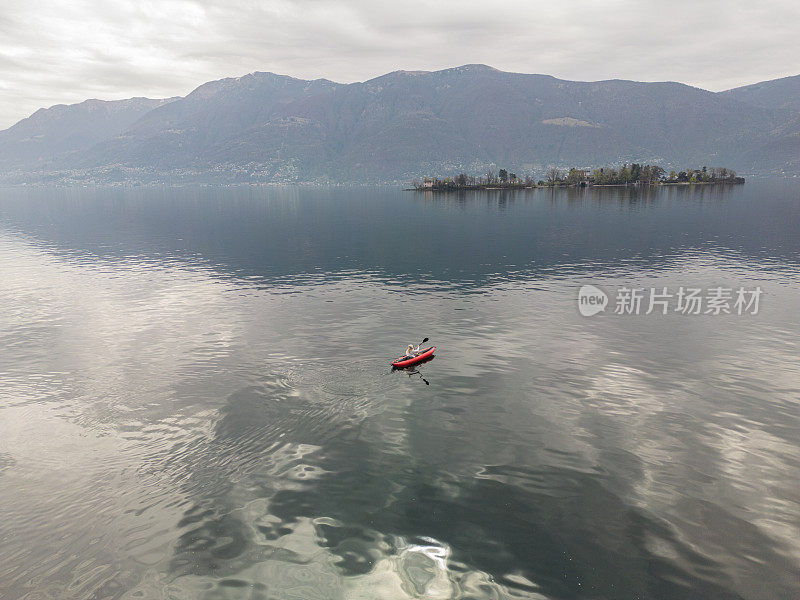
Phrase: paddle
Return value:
(422, 342)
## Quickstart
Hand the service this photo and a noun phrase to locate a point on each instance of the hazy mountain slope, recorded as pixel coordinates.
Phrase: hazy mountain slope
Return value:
(781, 150)
(50, 132)
(183, 132)
(519, 120)
(779, 153)
(778, 93)
(405, 124)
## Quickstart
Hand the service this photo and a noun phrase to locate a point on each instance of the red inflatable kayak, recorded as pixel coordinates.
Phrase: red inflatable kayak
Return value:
(424, 354)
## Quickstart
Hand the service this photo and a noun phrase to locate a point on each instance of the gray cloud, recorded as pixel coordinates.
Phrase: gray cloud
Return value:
(55, 51)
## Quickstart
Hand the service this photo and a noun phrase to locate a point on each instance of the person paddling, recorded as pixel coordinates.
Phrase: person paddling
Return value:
(414, 354)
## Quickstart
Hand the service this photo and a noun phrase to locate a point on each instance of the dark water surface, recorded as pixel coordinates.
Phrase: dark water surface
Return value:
(195, 399)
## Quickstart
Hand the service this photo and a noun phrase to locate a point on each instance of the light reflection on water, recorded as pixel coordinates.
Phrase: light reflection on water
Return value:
(195, 397)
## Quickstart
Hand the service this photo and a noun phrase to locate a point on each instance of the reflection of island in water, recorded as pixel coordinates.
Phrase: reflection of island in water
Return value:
(629, 197)
(633, 175)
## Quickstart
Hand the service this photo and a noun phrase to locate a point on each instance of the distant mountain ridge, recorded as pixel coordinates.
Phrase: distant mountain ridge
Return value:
(52, 132)
(777, 93)
(405, 124)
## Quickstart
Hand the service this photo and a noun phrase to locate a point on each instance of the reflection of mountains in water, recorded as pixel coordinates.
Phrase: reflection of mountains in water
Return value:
(303, 236)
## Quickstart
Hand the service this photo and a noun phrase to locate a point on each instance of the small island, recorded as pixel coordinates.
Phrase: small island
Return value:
(634, 174)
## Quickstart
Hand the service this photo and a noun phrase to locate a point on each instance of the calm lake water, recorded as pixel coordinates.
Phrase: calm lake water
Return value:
(195, 398)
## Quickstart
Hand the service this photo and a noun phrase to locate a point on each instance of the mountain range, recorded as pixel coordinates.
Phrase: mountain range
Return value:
(273, 128)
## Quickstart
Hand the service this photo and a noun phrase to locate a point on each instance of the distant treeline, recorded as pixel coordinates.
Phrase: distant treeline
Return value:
(634, 174)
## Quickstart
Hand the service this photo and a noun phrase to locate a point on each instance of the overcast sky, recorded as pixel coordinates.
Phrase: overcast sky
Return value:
(64, 51)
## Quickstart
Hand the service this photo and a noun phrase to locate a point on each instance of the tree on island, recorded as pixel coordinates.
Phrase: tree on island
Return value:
(576, 176)
(503, 175)
(650, 174)
(553, 176)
